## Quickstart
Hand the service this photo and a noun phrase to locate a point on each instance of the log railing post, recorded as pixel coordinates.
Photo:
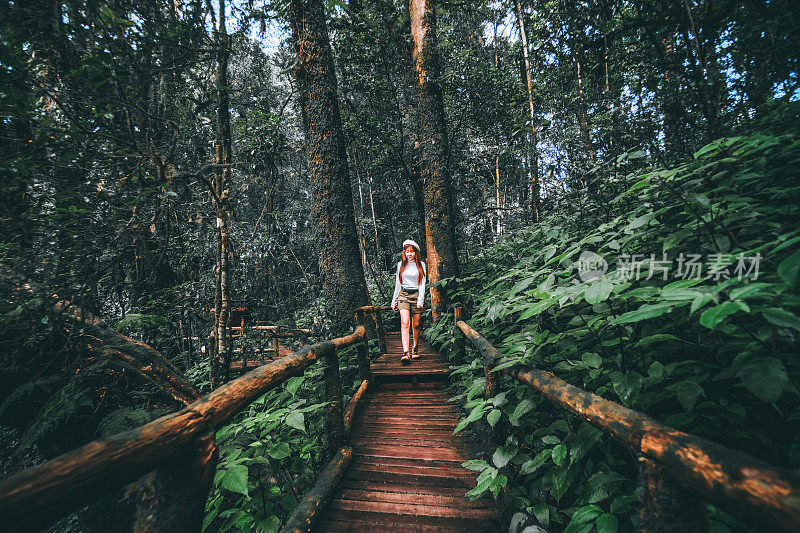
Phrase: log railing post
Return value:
(363, 349)
(459, 354)
(276, 341)
(376, 317)
(666, 506)
(334, 417)
(173, 497)
(492, 378)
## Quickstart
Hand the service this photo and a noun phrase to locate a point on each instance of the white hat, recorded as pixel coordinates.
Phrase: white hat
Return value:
(412, 243)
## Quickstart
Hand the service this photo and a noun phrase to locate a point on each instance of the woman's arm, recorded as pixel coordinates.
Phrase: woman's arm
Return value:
(397, 286)
(421, 294)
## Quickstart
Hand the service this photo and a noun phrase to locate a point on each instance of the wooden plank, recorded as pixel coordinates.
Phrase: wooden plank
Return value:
(401, 487)
(414, 498)
(410, 480)
(407, 507)
(413, 522)
(336, 526)
(434, 471)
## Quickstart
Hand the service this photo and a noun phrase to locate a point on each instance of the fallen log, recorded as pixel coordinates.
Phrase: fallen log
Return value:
(92, 334)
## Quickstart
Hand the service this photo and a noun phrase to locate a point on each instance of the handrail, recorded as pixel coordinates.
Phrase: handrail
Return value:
(311, 508)
(375, 312)
(734, 480)
(39, 495)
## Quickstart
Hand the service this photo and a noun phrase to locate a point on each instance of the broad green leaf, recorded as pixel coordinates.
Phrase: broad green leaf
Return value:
(711, 317)
(521, 286)
(700, 199)
(536, 308)
(786, 244)
(598, 291)
(687, 392)
(542, 513)
(628, 387)
(461, 425)
(789, 268)
(296, 420)
(497, 484)
(640, 221)
(699, 302)
(563, 480)
(752, 289)
(500, 399)
(782, 318)
(766, 378)
(293, 383)
(476, 413)
(559, 454)
(476, 465)
(481, 487)
(280, 450)
(656, 339)
(235, 479)
(522, 408)
(656, 370)
(493, 417)
(504, 454)
(592, 360)
(607, 523)
(643, 313)
(585, 516)
(531, 466)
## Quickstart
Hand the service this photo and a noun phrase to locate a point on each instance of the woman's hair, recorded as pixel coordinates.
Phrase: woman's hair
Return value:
(404, 262)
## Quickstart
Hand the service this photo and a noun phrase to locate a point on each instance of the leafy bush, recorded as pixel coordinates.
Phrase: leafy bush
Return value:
(272, 452)
(712, 353)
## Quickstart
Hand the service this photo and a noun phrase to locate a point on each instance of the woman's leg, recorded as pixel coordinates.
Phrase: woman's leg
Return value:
(405, 323)
(416, 322)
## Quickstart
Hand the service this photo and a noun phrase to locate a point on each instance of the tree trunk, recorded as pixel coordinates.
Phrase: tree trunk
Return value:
(344, 287)
(432, 152)
(583, 116)
(534, 151)
(701, 75)
(221, 356)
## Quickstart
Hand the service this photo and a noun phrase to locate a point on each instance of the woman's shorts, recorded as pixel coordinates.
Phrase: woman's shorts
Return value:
(406, 300)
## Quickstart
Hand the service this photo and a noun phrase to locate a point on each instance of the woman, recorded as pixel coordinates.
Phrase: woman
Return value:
(409, 296)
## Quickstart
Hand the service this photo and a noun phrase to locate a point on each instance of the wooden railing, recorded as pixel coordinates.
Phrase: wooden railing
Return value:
(374, 312)
(260, 334)
(678, 471)
(179, 450)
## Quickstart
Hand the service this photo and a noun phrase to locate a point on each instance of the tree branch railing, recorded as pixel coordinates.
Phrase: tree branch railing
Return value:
(675, 467)
(179, 447)
(374, 311)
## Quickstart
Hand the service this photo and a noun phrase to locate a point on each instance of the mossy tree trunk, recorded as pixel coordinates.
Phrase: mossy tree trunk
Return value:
(432, 152)
(343, 284)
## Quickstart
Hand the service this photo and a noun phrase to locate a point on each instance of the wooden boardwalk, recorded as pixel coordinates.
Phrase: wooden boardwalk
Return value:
(406, 474)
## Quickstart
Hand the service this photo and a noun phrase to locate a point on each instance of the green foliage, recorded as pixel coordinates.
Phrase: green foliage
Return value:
(711, 354)
(271, 453)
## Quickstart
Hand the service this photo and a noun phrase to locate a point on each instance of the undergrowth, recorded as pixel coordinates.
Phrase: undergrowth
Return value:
(711, 352)
(272, 452)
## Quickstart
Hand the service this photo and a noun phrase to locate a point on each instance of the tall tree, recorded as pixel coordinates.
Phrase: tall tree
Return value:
(344, 287)
(432, 152)
(220, 365)
(534, 153)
